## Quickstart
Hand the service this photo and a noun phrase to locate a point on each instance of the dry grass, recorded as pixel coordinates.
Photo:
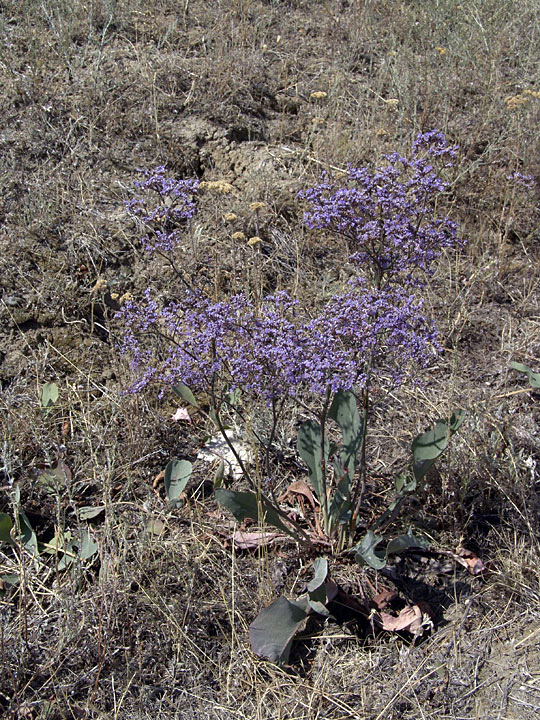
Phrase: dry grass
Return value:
(156, 624)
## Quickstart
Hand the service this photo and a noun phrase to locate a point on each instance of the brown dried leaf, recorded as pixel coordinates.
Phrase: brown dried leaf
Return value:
(471, 561)
(383, 599)
(298, 488)
(252, 540)
(410, 619)
(158, 479)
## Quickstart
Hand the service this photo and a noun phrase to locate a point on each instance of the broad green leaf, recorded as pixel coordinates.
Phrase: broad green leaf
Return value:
(10, 579)
(88, 547)
(177, 475)
(185, 393)
(245, 504)
(339, 510)
(272, 632)
(404, 542)
(426, 448)
(6, 523)
(534, 378)
(366, 554)
(220, 474)
(88, 512)
(49, 395)
(309, 449)
(405, 484)
(28, 536)
(345, 412)
(320, 571)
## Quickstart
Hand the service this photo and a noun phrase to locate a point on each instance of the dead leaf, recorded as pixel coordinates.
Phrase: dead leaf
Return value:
(298, 488)
(410, 619)
(252, 540)
(471, 561)
(383, 599)
(158, 479)
(181, 414)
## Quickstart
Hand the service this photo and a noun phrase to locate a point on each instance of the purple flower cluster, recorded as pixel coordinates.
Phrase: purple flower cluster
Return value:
(387, 214)
(175, 206)
(526, 181)
(279, 349)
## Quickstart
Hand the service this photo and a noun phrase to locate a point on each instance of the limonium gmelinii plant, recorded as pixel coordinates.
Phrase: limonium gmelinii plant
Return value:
(329, 358)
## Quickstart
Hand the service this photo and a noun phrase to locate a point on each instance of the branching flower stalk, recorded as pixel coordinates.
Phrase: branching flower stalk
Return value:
(275, 349)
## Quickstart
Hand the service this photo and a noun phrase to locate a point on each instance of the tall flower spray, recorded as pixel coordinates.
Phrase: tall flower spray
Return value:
(374, 329)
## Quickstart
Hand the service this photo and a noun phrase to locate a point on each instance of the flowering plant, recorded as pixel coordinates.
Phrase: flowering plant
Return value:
(326, 357)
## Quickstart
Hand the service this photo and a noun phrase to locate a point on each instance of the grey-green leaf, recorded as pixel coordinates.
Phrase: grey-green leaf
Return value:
(6, 523)
(366, 553)
(345, 412)
(185, 393)
(272, 632)
(28, 536)
(88, 512)
(426, 448)
(89, 546)
(404, 542)
(309, 449)
(49, 395)
(245, 504)
(177, 475)
(320, 571)
(534, 378)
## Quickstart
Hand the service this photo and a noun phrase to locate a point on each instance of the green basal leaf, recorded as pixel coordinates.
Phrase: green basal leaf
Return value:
(534, 378)
(366, 553)
(426, 448)
(10, 579)
(88, 547)
(245, 504)
(177, 475)
(28, 536)
(6, 523)
(220, 474)
(309, 449)
(404, 542)
(345, 412)
(320, 571)
(89, 512)
(185, 393)
(405, 484)
(339, 510)
(49, 395)
(272, 632)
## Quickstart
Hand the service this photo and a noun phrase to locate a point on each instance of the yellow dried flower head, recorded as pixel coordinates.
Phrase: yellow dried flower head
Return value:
(318, 121)
(532, 93)
(125, 297)
(257, 206)
(381, 132)
(514, 102)
(230, 217)
(219, 186)
(238, 236)
(441, 51)
(254, 241)
(114, 296)
(101, 284)
(318, 95)
(392, 102)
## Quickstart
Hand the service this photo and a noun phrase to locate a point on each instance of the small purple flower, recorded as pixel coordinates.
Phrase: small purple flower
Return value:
(387, 214)
(526, 181)
(175, 207)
